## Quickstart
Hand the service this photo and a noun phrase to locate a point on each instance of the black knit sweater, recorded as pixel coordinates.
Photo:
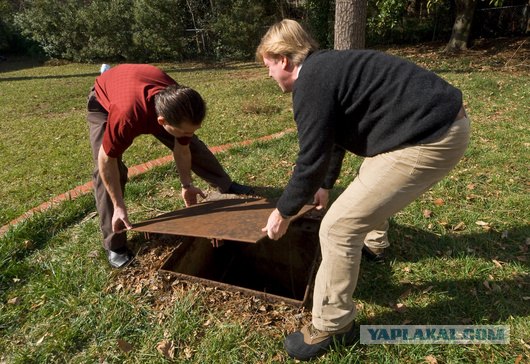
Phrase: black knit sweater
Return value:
(365, 102)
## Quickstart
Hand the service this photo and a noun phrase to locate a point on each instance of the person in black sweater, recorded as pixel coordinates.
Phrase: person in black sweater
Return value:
(408, 123)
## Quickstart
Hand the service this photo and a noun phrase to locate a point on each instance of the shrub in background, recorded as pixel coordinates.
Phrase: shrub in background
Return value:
(159, 30)
(174, 30)
(320, 20)
(55, 26)
(108, 26)
(236, 28)
(406, 21)
(116, 30)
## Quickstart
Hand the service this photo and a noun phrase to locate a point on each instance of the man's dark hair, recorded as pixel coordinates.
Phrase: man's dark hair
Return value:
(177, 104)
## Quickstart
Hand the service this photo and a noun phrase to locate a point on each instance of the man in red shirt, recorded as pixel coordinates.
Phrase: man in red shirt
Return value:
(129, 100)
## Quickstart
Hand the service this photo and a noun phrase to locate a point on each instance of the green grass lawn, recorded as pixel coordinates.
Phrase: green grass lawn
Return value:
(464, 261)
(43, 139)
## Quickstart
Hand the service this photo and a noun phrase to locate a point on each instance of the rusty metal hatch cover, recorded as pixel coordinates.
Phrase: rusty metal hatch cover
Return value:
(239, 219)
(276, 271)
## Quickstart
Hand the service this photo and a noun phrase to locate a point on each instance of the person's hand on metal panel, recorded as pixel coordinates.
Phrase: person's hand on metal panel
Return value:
(120, 220)
(189, 194)
(276, 225)
(321, 199)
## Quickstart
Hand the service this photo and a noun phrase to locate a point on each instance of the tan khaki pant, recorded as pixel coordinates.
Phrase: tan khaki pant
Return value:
(384, 185)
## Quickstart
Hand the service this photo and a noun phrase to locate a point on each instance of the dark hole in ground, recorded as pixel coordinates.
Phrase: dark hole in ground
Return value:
(275, 270)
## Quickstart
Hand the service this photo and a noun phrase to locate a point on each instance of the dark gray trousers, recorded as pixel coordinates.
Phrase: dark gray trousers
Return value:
(204, 164)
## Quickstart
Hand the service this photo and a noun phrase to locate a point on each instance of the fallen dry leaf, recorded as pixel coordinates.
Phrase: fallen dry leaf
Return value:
(37, 304)
(124, 346)
(93, 254)
(188, 352)
(439, 202)
(426, 290)
(41, 340)
(166, 348)
(471, 197)
(14, 301)
(399, 307)
(460, 226)
(497, 263)
(431, 359)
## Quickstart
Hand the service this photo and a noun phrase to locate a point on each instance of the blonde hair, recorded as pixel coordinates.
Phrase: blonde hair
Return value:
(286, 38)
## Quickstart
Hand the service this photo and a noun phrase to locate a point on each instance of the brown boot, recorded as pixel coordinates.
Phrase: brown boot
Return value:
(310, 342)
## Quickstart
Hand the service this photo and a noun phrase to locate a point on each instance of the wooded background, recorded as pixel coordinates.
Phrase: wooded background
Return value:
(176, 30)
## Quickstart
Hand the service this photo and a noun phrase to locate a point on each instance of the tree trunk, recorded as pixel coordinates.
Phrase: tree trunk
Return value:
(195, 29)
(350, 24)
(462, 26)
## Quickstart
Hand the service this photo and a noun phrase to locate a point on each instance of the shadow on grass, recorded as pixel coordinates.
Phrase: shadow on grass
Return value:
(24, 64)
(15, 63)
(208, 66)
(25, 78)
(491, 283)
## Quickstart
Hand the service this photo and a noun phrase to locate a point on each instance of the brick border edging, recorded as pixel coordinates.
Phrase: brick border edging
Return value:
(133, 171)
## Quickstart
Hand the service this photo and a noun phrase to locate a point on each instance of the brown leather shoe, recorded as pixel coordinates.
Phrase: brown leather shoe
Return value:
(310, 342)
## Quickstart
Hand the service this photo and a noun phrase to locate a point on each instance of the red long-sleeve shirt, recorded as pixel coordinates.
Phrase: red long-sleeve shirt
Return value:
(127, 93)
